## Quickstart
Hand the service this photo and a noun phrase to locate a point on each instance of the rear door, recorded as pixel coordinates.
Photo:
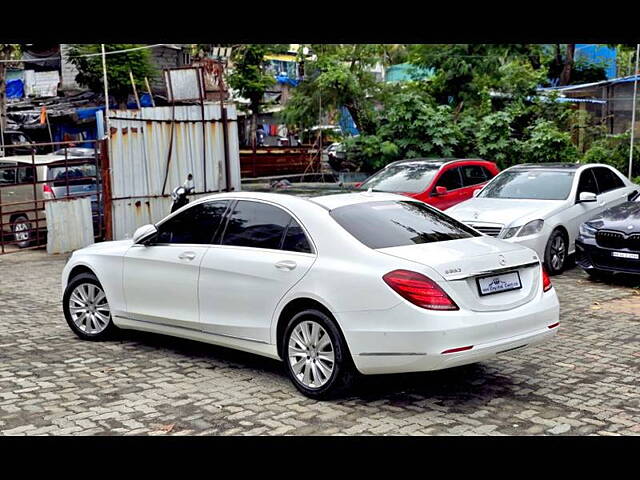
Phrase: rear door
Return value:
(473, 178)
(262, 253)
(612, 188)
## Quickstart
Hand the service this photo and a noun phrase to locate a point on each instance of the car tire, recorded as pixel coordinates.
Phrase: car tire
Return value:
(22, 234)
(84, 294)
(307, 357)
(555, 253)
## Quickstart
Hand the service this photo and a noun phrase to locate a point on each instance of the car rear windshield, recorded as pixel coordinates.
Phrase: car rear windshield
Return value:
(408, 178)
(398, 223)
(77, 173)
(530, 184)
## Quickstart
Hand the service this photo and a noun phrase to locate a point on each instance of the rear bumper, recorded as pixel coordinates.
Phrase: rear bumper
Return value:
(409, 339)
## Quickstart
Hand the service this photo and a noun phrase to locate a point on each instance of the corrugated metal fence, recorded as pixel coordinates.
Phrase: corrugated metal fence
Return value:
(153, 149)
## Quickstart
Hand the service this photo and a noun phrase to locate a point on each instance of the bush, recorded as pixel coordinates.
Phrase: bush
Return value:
(546, 143)
(614, 150)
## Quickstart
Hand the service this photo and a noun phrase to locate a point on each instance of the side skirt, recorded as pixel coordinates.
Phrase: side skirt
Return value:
(246, 345)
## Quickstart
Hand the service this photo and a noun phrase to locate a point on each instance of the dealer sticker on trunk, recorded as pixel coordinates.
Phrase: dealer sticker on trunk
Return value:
(499, 283)
(634, 256)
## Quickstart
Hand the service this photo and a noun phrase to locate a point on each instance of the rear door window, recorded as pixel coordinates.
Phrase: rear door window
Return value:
(473, 175)
(398, 223)
(295, 239)
(607, 180)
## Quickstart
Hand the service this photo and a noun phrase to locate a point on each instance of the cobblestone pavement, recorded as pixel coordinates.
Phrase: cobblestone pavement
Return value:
(585, 381)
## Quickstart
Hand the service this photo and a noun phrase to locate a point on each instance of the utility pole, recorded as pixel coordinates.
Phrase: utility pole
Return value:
(106, 93)
(633, 112)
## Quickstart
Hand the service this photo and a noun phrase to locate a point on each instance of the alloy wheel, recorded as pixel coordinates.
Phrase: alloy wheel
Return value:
(21, 231)
(89, 308)
(557, 252)
(311, 354)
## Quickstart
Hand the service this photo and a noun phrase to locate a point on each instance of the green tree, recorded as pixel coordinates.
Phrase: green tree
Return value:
(249, 78)
(90, 72)
(340, 76)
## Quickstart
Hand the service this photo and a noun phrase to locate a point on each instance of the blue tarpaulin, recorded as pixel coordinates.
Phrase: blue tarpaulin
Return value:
(286, 79)
(347, 125)
(15, 89)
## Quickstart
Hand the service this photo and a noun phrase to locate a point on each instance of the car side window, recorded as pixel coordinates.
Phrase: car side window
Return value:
(255, 224)
(295, 240)
(197, 225)
(450, 179)
(587, 182)
(607, 180)
(473, 175)
(26, 175)
(7, 175)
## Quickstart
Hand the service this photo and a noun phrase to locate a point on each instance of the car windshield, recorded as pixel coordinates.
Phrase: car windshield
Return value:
(398, 223)
(407, 178)
(530, 184)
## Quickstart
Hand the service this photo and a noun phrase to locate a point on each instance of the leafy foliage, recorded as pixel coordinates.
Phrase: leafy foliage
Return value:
(90, 72)
(614, 150)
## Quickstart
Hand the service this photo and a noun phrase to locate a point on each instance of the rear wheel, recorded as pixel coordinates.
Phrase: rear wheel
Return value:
(555, 255)
(22, 233)
(316, 355)
(86, 308)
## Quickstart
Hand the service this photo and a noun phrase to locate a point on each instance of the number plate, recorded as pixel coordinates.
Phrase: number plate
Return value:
(634, 256)
(504, 282)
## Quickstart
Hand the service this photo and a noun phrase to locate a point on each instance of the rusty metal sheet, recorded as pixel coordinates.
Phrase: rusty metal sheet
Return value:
(148, 144)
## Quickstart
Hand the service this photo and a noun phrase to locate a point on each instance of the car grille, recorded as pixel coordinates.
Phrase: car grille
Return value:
(618, 240)
(492, 231)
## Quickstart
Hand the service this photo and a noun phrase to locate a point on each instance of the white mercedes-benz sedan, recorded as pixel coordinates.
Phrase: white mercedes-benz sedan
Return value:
(335, 285)
(543, 205)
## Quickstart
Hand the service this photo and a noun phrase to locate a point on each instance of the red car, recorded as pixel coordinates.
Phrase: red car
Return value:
(441, 182)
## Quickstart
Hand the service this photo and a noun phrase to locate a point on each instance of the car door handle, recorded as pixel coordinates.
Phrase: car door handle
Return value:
(187, 256)
(286, 265)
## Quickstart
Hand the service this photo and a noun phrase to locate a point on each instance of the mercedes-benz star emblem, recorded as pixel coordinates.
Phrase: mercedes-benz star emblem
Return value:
(502, 260)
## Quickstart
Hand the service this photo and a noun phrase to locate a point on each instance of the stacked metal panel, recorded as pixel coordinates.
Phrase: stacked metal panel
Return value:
(148, 144)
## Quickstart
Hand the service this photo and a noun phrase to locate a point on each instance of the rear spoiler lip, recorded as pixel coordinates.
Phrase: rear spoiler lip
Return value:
(495, 271)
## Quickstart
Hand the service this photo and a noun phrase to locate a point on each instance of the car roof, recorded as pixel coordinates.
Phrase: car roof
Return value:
(328, 202)
(548, 166)
(436, 162)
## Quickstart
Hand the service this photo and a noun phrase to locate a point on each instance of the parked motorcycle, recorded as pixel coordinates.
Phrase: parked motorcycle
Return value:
(179, 194)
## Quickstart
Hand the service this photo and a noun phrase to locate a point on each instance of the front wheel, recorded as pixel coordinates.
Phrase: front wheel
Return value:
(555, 254)
(86, 308)
(316, 355)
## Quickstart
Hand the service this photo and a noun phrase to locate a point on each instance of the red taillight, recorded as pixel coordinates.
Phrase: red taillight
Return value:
(419, 290)
(546, 281)
(47, 189)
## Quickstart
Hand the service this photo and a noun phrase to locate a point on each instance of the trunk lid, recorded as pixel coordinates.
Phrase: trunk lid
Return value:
(462, 262)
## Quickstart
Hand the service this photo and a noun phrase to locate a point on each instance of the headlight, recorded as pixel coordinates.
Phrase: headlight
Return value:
(587, 230)
(530, 228)
(510, 232)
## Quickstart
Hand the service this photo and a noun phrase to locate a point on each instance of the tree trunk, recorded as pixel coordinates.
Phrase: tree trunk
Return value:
(565, 76)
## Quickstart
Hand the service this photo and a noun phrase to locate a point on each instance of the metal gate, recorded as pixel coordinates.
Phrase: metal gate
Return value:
(28, 182)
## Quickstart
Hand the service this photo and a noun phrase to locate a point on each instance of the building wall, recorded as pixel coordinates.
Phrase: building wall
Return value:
(164, 57)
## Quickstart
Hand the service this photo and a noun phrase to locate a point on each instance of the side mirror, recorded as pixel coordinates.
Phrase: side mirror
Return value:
(441, 190)
(143, 233)
(476, 192)
(587, 197)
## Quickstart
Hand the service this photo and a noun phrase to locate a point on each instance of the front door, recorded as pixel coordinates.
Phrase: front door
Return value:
(451, 179)
(263, 252)
(161, 279)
